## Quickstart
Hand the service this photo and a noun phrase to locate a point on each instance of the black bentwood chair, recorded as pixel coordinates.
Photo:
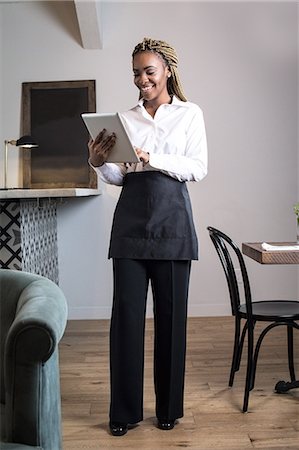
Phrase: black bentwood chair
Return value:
(277, 312)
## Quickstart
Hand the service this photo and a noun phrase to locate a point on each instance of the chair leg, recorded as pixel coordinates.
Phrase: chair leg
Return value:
(257, 349)
(291, 353)
(241, 344)
(236, 351)
(248, 382)
(255, 357)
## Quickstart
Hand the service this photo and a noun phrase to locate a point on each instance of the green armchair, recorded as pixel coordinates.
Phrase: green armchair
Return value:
(33, 313)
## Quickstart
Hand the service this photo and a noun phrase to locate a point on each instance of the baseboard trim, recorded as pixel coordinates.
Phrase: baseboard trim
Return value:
(104, 312)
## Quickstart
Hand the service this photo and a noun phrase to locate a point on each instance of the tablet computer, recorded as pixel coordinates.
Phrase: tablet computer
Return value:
(123, 150)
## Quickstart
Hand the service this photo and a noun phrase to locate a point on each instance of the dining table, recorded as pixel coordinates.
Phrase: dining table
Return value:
(274, 253)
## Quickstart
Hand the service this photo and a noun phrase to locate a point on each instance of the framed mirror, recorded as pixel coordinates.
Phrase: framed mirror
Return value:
(51, 114)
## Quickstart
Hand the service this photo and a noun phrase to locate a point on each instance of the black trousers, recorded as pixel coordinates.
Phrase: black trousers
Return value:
(170, 282)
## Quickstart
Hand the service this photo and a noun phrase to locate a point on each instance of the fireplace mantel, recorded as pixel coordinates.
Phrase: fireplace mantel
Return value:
(13, 194)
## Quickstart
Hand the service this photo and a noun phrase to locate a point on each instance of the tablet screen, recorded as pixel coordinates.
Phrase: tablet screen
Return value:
(123, 150)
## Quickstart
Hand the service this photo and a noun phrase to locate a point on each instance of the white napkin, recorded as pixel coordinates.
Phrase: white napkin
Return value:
(270, 247)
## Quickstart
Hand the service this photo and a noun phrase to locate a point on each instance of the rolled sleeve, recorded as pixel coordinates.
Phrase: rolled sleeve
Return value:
(110, 173)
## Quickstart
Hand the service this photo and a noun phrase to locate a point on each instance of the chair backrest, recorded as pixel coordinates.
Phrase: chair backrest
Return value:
(226, 249)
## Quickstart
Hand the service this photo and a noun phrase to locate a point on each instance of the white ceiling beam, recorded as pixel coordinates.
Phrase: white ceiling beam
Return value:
(89, 20)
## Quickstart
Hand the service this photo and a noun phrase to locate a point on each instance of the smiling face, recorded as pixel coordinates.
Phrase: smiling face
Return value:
(150, 76)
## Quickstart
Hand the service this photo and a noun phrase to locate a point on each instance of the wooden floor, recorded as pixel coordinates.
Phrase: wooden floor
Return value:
(213, 417)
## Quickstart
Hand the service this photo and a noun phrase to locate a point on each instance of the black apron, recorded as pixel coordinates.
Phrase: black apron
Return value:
(153, 219)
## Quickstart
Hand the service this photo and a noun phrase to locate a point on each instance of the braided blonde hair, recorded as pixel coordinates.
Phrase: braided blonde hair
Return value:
(169, 56)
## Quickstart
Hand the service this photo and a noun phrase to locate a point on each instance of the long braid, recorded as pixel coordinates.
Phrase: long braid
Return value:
(170, 58)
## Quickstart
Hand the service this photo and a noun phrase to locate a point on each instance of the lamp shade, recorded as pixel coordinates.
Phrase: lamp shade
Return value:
(26, 141)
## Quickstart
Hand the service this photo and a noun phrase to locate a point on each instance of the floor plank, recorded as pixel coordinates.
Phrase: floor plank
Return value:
(213, 417)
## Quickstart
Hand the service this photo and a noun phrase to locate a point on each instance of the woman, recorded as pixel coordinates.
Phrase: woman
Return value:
(153, 236)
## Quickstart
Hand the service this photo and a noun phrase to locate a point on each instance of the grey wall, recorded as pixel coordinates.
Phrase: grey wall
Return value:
(239, 62)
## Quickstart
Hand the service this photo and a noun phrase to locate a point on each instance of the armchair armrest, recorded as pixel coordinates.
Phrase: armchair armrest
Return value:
(31, 367)
(39, 322)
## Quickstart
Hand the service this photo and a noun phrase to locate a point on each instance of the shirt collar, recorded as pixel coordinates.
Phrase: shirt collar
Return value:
(175, 102)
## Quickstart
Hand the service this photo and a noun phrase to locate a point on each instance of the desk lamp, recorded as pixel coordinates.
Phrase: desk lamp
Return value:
(25, 142)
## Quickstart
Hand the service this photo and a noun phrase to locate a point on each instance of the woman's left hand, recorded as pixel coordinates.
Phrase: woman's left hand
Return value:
(142, 155)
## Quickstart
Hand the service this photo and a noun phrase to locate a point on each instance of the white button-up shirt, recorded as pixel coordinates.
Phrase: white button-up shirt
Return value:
(175, 140)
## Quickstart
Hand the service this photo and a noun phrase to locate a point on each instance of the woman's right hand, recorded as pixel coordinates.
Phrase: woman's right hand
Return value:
(100, 148)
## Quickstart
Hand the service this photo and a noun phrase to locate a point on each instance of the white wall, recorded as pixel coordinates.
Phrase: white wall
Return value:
(239, 62)
(1, 86)
(298, 122)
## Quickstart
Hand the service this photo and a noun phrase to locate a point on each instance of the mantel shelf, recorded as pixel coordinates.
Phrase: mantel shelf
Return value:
(10, 194)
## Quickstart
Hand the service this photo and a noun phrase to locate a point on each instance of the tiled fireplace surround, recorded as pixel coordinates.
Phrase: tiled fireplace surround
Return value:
(28, 231)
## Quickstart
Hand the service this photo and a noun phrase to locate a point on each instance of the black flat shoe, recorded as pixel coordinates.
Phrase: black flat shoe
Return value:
(118, 428)
(166, 424)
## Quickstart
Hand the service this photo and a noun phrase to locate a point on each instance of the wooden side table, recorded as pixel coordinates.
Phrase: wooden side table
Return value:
(256, 252)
